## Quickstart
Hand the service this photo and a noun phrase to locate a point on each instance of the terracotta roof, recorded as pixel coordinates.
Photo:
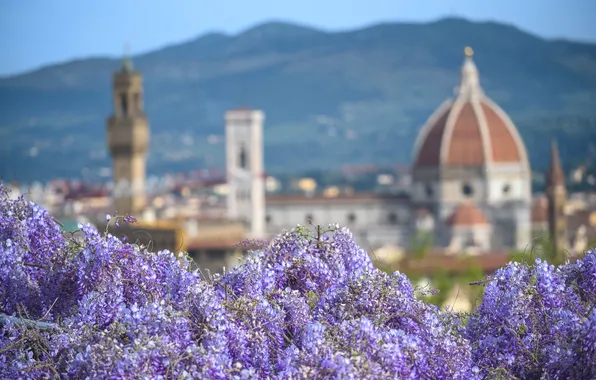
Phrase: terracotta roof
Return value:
(458, 132)
(422, 212)
(467, 214)
(430, 152)
(466, 147)
(469, 130)
(504, 147)
(438, 261)
(540, 210)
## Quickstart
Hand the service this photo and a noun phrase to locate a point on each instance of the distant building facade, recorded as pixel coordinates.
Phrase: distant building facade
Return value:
(211, 243)
(375, 220)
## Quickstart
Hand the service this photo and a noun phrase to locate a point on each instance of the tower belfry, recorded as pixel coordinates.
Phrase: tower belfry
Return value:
(244, 161)
(128, 139)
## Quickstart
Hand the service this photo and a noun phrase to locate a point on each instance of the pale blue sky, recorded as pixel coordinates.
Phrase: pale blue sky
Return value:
(39, 32)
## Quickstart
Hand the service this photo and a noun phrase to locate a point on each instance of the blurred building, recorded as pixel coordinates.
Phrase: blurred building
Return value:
(468, 191)
(469, 156)
(375, 220)
(128, 139)
(470, 188)
(245, 169)
(180, 217)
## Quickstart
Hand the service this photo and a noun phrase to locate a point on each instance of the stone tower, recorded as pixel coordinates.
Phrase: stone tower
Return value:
(557, 195)
(128, 139)
(245, 175)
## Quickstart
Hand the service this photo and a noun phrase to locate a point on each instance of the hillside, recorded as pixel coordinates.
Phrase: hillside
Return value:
(330, 98)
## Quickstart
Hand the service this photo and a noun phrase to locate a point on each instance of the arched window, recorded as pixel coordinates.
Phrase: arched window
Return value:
(242, 158)
(428, 189)
(470, 241)
(506, 189)
(392, 218)
(351, 218)
(124, 104)
(243, 194)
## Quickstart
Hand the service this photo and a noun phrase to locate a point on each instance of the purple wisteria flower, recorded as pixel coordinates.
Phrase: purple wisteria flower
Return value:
(537, 322)
(308, 304)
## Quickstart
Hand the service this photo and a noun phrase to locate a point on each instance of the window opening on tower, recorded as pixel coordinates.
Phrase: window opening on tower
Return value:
(124, 104)
(242, 157)
(137, 102)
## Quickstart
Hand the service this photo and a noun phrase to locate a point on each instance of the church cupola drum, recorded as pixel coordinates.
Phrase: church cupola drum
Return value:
(128, 139)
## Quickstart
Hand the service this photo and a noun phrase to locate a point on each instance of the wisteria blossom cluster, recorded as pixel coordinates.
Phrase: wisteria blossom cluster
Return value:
(306, 305)
(537, 322)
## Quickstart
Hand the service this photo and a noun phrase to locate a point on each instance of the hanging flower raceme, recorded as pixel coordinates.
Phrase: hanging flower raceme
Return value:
(308, 304)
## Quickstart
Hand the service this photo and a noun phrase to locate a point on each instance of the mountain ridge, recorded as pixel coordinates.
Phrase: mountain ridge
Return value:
(294, 25)
(317, 88)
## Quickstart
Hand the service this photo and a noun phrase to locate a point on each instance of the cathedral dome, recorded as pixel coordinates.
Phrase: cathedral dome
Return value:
(469, 130)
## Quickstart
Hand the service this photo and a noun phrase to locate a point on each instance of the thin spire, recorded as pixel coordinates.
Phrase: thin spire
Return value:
(470, 81)
(127, 66)
(556, 176)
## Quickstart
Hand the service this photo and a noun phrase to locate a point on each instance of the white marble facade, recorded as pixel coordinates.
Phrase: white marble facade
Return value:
(375, 220)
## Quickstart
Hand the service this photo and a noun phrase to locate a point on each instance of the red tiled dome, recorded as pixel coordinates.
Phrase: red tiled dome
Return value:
(469, 130)
(467, 214)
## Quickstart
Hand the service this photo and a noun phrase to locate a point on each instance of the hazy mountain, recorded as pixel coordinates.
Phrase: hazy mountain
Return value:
(330, 98)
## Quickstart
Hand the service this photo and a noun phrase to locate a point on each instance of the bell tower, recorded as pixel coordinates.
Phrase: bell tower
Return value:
(244, 162)
(128, 139)
(557, 195)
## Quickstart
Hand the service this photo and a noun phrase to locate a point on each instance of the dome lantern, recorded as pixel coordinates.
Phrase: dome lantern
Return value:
(469, 130)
